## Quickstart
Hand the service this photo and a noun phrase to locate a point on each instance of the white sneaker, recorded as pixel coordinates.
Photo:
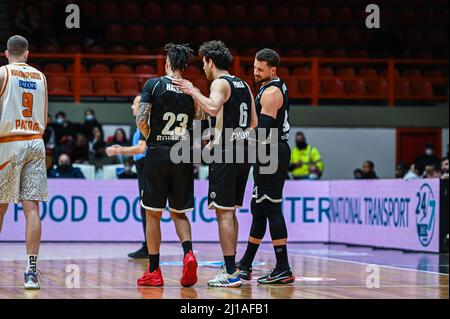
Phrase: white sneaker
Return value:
(223, 279)
(221, 272)
(31, 281)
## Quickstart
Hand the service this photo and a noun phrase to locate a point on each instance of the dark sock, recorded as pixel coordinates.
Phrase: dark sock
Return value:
(187, 246)
(249, 255)
(154, 262)
(282, 257)
(230, 264)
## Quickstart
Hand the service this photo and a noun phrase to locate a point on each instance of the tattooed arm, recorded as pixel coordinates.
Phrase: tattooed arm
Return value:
(145, 107)
(142, 118)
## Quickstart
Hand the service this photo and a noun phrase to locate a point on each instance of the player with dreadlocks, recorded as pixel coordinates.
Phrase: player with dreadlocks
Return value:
(165, 118)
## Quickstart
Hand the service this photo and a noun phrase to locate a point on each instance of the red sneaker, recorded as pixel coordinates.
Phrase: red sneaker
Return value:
(154, 279)
(189, 277)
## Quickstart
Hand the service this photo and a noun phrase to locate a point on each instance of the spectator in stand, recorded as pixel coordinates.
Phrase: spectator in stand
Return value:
(120, 138)
(426, 158)
(401, 169)
(432, 171)
(369, 170)
(304, 158)
(97, 136)
(413, 173)
(49, 134)
(100, 159)
(65, 132)
(90, 121)
(64, 129)
(81, 151)
(128, 170)
(49, 140)
(64, 169)
(444, 168)
(314, 172)
(358, 174)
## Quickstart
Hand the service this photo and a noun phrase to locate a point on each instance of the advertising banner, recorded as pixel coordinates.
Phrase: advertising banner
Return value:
(384, 213)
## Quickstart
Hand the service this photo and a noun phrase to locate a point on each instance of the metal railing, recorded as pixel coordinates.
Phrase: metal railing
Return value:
(313, 80)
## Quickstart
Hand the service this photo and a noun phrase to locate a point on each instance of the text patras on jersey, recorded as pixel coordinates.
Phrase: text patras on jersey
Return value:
(27, 125)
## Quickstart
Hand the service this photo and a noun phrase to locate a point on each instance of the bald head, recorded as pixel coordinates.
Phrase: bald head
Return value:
(64, 159)
(17, 49)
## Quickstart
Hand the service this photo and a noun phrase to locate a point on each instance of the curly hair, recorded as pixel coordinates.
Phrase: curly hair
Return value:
(217, 52)
(179, 55)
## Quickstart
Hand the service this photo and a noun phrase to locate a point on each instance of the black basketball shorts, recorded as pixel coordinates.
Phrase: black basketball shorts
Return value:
(167, 181)
(270, 186)
(227, 182)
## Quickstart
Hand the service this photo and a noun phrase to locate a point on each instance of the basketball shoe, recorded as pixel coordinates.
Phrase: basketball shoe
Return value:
(153, 279)
(277, 277)
(245, 271)
(31, 281)
(223, 279)
(189, 275)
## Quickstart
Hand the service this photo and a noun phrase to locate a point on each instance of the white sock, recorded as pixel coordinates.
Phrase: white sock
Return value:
(31, 263)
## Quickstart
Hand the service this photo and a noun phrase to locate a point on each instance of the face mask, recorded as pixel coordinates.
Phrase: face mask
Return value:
(301, 145)
(89, 118)
(313, 176)
(429, 151)
(60, 120)
(64, 167)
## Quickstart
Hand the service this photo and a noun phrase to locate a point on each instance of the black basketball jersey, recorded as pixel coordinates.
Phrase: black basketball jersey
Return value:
(172, 112)
(235, 113)
(282, 120)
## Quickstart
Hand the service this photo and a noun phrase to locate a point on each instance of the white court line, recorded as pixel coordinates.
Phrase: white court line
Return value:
(359, 263)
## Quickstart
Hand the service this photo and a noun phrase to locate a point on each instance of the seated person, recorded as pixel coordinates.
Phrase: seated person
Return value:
(127, 171)
(64, 169)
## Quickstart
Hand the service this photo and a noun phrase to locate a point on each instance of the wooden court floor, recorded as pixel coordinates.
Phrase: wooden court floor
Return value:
(104, 271)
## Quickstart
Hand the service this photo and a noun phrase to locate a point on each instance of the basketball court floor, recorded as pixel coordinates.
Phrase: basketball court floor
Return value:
(102, 270)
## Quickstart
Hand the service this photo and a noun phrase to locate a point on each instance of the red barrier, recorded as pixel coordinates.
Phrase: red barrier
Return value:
(312, 85)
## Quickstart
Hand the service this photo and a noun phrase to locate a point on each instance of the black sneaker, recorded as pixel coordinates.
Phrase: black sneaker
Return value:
(140, 253)
(277, 277)
(245, 271)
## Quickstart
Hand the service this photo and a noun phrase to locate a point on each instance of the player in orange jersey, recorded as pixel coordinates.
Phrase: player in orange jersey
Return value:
(23, 118)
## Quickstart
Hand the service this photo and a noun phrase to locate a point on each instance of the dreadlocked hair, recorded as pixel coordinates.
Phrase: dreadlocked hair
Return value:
(179, 55)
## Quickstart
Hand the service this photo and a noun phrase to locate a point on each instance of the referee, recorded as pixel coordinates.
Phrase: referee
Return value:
(137, 150)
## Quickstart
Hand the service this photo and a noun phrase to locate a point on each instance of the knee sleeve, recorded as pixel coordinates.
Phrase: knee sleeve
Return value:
(259, 221)
(277, 224)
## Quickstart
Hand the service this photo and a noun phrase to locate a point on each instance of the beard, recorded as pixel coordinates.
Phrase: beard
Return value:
(209, 75)
(261, 80)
